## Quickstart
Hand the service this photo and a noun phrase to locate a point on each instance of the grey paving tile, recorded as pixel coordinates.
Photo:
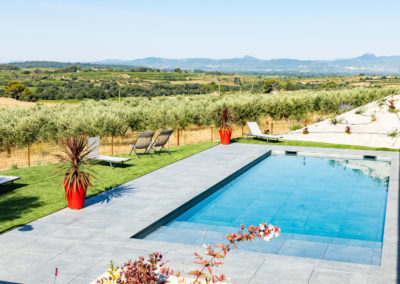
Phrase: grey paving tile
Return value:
(272, 271)
(361, 255)
(11, 241)
(327, 276)
(304, 249)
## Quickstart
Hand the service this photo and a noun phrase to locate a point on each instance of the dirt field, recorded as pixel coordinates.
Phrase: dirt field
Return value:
(8, 102)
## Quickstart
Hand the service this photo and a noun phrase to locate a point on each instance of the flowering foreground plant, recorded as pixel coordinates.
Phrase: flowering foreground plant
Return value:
(155, 271)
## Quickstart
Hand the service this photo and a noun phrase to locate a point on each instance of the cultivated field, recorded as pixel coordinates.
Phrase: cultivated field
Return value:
(9, 102)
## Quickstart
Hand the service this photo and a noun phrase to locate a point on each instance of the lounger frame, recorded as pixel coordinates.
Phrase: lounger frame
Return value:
(94, 144)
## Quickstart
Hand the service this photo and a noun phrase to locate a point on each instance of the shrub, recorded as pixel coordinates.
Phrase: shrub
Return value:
(394, 133)
(295, 127)
(360, 111)
(335, 120)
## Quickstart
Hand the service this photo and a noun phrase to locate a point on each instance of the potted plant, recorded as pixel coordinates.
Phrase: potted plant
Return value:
(391, 105)
(348, 128)
(267, 131)
(77, 178)
(225, 131)
(305, 129)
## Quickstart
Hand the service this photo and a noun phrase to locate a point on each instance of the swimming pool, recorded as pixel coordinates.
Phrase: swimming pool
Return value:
(327, 208)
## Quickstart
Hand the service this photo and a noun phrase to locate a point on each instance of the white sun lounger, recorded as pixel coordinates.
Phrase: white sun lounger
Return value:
(256, 132)
(6, 179)
(94, 143)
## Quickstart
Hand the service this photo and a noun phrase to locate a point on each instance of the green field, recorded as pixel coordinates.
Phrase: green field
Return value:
(59, 84)
(311, 144)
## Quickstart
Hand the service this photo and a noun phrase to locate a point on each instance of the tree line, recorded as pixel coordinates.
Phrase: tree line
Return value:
(19, 126)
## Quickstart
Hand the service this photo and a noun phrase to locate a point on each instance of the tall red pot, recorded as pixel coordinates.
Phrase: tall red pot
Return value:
(225, 135)
(75, 198)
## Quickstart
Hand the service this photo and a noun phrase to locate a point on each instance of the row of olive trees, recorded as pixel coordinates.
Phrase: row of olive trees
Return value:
(112, 118)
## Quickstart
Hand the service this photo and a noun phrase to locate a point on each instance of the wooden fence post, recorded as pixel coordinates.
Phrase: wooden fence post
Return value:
(272, 128)
(178, 137)
(212, 134)
(29, 155)
(112, 145)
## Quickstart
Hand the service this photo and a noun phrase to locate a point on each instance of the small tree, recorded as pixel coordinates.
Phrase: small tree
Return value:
(15, 89)
(237, 81)
(178, 70)
(270, 85)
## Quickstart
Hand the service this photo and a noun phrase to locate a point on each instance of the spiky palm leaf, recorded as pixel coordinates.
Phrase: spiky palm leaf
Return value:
(226, 115)
(73, 158)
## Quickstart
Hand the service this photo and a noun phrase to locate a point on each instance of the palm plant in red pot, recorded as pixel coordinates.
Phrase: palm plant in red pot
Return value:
(77, 178)
(225, 131)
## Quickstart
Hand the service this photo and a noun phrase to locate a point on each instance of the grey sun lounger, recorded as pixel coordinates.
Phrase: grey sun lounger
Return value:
(256, 132)
(7, 179)
(161, 141)
(94, 143)
(143, 141)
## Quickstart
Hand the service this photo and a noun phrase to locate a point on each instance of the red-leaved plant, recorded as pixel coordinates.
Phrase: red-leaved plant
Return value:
(74, 153)
(225, 116)
(348, 128)
(137, 271)
(155, 271)
(391, 105)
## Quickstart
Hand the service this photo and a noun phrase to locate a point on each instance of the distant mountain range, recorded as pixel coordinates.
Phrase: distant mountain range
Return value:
(367, 63)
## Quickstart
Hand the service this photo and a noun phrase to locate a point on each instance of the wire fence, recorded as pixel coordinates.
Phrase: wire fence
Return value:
(42, 153)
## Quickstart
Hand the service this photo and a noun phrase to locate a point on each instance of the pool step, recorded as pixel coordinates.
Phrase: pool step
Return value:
(298, 245)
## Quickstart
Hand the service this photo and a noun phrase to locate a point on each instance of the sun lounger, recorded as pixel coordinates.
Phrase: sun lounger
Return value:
(161, 141)
(7, 179)
(256, 132)
(94, 144)
(143, 141)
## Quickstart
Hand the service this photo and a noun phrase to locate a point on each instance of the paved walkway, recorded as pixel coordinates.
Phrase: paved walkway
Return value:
(77, 242)
(81, 243)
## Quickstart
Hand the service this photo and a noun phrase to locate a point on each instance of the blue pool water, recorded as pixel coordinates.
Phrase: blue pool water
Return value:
(330, 209)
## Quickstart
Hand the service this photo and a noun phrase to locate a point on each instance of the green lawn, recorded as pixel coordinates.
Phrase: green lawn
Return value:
(310, 144)
(38, 194)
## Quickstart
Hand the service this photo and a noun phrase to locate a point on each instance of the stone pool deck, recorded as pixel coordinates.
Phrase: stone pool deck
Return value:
(81, 243)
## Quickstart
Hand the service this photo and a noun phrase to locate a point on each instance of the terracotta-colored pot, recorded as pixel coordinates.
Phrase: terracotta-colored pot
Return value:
(75, 198)
(225, 135)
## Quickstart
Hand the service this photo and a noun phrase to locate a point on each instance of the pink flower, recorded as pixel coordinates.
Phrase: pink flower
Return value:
(268, 237)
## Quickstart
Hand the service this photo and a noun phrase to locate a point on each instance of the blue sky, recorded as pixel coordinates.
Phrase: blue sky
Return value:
(89, 30)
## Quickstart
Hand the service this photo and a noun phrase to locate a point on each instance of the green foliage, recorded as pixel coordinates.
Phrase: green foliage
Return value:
(43, 123)
(311, 144)
(15, 89)
(178, 70)
(328, 85)
(393, 133)
(360, 111)
(335, 120)
(270, 85)
(69, 69)
(295, 127)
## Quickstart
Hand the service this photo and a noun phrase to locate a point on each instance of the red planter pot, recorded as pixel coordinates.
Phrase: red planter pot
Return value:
(75, 198)
(225, 135)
